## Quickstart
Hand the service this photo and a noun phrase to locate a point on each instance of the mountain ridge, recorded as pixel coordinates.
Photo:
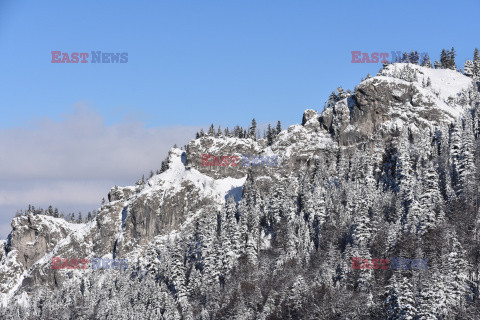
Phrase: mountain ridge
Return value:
(358, 140)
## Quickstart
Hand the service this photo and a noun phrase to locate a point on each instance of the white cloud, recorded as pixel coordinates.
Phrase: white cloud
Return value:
(57, 192)
(72, 163)
(5, 229)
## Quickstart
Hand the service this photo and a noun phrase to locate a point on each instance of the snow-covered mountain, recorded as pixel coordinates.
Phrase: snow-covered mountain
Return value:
(386, 171)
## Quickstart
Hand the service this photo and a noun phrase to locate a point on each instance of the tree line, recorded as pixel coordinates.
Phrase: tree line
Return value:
(447, 61)
(54, 212)
(239, 132)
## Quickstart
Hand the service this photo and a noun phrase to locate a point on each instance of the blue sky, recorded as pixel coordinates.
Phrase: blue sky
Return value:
(192, 63)
(197, 62)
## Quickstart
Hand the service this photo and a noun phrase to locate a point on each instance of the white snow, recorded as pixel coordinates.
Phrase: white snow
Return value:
(446, 85)
(449, 83)
(172, 180)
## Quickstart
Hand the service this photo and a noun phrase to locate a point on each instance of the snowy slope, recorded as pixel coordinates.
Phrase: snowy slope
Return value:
(144, 219)
(447, 82)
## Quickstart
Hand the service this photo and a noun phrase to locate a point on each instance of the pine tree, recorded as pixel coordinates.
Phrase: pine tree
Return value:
(414, 57)
(451, 59)
(468, 68)
(211, 130)
(279, 127)
(456, 266)
(362, 232)
(476, 64)
(231, 226)
(270, 135)
(431, 204)
(466, 166)
(462, 158)
(444, 59)
(252, 131)
(164, 166)
(332, 99)
(426, 61)
(400, 300)
(406, 298)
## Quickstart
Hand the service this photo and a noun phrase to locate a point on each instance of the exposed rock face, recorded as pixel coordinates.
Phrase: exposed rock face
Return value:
(3, 248)
(159, 213)
(33, 236)
(118, 193)
(381, 107)
(108, 223)
(308, 115)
